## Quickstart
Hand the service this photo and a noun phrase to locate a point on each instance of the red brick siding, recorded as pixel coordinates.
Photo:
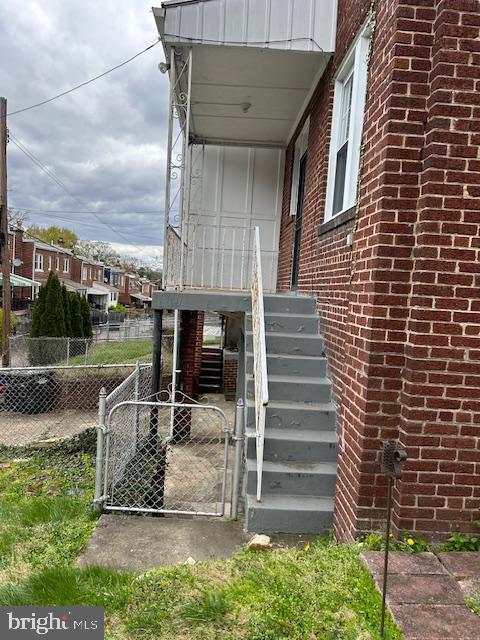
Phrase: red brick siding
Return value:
(440, 416)
(404, 305)
(229, 374)
(191, 345)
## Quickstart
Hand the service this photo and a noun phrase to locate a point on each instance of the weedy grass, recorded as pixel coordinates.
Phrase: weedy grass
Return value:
(46, 511)
(322, 592)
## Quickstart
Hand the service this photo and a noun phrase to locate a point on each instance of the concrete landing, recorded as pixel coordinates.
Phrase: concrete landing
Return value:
(137, 543)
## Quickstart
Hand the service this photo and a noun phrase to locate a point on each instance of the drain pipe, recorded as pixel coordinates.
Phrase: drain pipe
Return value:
(238, 438)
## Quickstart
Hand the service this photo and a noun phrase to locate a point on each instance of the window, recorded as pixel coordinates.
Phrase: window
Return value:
(49, 263)
(84, 273)
(66, 265)
(57, 263)
(347, 126)
(301, 145)
(38, 261)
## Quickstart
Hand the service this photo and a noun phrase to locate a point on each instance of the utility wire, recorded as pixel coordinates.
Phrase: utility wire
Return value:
(83, 84)
(57, 180)
(62, 211)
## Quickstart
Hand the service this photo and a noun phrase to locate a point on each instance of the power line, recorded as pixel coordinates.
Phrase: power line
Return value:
(113, 213)
(57, 180)
(83, 84)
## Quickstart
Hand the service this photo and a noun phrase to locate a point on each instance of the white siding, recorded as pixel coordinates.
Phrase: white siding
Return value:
(237, 188)
(302, 25)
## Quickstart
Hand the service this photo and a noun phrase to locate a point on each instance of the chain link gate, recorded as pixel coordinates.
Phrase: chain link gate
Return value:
(163, 457)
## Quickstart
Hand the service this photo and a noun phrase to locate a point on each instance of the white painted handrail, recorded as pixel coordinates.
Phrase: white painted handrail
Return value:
(259, 357)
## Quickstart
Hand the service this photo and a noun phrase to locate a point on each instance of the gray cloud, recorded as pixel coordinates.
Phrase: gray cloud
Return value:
(106, 141)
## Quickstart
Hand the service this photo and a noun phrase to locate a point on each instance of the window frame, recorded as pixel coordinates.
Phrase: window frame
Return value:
(355, 66)
(300, 148)
(57, 264)
(39, 260)
(66, 265)
(49, 263)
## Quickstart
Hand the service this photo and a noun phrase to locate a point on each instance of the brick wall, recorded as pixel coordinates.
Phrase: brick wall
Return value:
(400, 310)
(191, 345)
(229, 373)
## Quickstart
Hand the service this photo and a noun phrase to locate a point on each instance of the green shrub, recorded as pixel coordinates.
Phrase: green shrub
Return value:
(118, 308)
(86, 318)
(76, 315)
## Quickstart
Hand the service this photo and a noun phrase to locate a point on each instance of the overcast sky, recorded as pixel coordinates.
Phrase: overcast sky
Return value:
(106, 141)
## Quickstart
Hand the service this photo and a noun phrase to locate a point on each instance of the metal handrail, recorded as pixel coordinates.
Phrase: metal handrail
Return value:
(259, 357)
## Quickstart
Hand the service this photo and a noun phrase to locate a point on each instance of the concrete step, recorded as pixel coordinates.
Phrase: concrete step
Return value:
(281, 364)
(288, 303)
(295, 445)
(295, 415)
(289, 344)
(288, 323)
(210, 379)
(297, 388)
(288, 514)
(287, 478)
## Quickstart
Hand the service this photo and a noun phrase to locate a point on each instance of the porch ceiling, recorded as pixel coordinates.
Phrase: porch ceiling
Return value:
(249, 95)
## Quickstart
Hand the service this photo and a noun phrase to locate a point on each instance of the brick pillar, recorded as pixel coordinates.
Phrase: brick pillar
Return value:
(191, 344)
(229, 373)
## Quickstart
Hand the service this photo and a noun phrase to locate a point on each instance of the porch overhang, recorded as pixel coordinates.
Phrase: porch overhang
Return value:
(246, 89)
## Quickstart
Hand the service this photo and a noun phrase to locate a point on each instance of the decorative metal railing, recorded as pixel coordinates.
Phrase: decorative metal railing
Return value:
(214, 257)
(172, 275)
(259, 357)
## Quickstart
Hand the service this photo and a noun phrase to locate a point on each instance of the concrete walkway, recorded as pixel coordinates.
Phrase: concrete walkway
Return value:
(426, 593)
(136, 543)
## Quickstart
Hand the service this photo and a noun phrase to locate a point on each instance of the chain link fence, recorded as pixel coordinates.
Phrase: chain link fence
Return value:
(53, 392)
(26, 351)
(165, 457)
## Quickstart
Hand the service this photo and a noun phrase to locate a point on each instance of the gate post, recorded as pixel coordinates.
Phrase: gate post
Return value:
(237, 462)
(97, 501)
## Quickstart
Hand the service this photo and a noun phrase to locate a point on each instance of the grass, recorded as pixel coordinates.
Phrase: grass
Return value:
(116, 352)
(320, 592)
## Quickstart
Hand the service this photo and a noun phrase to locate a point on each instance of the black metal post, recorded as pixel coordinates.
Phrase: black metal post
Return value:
(156, 371)
(387, 547)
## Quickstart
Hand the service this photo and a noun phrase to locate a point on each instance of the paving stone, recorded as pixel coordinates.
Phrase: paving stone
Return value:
(424, 563)
(470, 586)
(461, 564)
(437, 622)
(423, 589)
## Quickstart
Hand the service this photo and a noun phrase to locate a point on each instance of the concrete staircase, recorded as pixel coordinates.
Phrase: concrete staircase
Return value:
(300, 451)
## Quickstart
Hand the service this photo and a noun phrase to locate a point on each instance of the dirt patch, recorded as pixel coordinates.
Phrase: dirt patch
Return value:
(19, 429)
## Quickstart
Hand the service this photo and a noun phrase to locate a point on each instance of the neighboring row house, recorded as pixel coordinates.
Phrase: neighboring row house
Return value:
(332, 146)
(33, 260)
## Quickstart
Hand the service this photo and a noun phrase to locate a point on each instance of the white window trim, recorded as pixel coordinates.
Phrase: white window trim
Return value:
(66, 265)
(49, 263)
(356, 60)
(301, 146)
(39, 262)
(57, 263)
